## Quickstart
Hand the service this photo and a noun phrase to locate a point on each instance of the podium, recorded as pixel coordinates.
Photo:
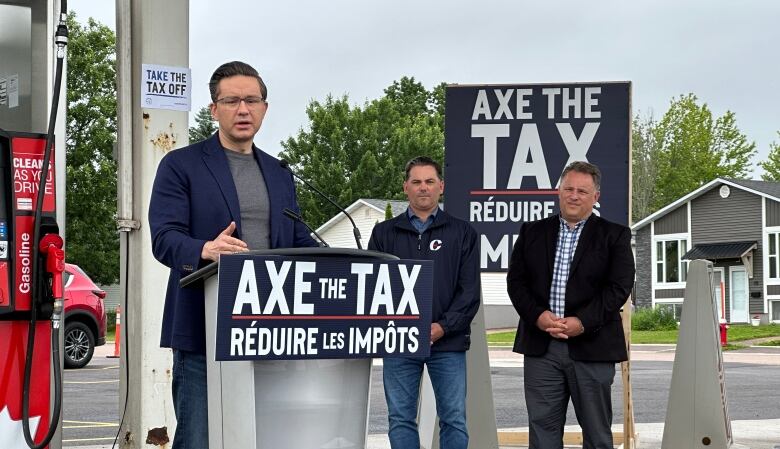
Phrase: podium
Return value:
(264, 404)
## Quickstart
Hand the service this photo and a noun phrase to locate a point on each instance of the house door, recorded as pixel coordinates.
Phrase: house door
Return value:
(720, 293)
(739, 294)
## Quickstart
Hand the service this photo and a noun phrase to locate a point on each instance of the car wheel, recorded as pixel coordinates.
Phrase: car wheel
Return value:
(79, 345)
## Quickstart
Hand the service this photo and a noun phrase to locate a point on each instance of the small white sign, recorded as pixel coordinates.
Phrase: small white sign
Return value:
(164, 87)
(13, 91)
(24, 204)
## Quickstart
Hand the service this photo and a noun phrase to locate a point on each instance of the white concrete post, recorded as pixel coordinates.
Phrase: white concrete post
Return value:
(697, 414)
(148, 32)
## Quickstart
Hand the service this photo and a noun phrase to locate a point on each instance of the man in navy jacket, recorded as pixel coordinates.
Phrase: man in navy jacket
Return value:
(426, 232)
(218, 196)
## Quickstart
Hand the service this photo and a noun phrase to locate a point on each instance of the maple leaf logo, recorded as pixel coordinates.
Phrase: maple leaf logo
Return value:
(12, 433)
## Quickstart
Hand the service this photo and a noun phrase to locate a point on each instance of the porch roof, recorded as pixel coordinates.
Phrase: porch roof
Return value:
(721, 250)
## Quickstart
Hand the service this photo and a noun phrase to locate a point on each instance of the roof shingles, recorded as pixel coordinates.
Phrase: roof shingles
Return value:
(723, 250)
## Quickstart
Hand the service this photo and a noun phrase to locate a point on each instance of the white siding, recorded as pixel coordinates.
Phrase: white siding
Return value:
(340, 234)
(494, 289)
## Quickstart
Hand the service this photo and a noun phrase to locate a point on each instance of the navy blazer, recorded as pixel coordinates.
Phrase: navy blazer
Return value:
(600, 280)
(194, 199)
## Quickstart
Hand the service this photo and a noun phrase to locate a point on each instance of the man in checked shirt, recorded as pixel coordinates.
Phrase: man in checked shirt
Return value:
(568, 278)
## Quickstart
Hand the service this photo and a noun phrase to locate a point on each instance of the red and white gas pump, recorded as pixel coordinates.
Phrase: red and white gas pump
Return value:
(31, 266)
(27, 297)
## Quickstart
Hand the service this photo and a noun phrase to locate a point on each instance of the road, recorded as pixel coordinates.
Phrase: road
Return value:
(91, 411)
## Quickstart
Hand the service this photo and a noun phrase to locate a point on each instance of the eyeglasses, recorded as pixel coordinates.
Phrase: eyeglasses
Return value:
(233, 102)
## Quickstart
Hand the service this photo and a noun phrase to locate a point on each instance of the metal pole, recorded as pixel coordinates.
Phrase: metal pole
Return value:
(148, 32)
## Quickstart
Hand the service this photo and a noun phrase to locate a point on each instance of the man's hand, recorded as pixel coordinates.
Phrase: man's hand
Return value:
(436, 332)
(574, 326)
(223, 244)
(550, 323)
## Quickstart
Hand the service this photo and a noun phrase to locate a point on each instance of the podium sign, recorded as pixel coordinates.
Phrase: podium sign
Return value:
(307, 307)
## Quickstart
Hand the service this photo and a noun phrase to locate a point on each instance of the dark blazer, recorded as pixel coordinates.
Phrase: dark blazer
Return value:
(194, 199)
(600, 280)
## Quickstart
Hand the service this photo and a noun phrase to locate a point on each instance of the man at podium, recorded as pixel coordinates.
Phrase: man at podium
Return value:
(426, 232)
(218, 196)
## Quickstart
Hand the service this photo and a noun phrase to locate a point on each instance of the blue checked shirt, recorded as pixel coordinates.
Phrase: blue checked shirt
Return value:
(564, 253)
(418, 224)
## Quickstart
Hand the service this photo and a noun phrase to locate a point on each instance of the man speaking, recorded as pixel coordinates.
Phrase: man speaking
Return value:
(218, 196)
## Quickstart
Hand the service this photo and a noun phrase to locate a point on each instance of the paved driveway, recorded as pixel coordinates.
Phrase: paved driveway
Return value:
(91, 410)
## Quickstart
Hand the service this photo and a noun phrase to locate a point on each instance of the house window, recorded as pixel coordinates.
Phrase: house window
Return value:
(669, 267)
(775, 309)
(772, 255)
(674, 308)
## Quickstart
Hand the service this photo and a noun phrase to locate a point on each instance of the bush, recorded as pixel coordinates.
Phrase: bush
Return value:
(649, 319)
(110, 320)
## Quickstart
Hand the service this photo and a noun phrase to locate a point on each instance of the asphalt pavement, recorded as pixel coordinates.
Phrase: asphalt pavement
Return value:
(749, 429)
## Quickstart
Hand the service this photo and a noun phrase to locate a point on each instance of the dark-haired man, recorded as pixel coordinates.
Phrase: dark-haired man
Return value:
(426, 232)
(568, 278)
(218, 196)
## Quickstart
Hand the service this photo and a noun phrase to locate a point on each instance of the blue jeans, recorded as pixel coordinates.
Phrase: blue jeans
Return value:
(190, 402)
(402, 376)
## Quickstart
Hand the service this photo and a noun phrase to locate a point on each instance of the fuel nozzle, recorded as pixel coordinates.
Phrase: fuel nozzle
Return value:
(51, 247)
(61, 35)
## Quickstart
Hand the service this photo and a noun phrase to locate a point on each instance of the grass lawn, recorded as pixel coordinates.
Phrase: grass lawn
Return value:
(657, 337)
(737, 332)
(741, 332)
(770, 343)
(501, 338)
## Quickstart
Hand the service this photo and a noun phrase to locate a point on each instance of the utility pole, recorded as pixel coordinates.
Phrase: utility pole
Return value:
(148, 32)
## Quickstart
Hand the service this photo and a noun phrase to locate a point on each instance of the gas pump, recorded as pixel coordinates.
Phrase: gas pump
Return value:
(31, 255)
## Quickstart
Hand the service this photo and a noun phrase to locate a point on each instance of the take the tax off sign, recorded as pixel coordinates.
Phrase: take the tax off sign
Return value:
(506, 146)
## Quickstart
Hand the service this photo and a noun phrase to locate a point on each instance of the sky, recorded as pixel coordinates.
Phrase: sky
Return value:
(723, 51)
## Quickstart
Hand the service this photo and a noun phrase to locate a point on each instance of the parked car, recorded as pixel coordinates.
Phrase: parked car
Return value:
(85, 317)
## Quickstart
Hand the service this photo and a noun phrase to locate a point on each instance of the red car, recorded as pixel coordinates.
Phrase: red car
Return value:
(85, 317)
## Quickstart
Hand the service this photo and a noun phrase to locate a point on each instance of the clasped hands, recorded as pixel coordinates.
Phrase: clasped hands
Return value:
(561, 328)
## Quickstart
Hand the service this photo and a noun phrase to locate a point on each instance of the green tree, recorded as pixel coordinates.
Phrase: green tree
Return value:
(204, 125)
(771, 165)
(91, 171)
(353, 152)
(644, 163)
(696, 148)
(388, 211)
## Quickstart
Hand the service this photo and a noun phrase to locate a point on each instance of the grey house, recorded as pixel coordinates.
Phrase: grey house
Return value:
(733, 223)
